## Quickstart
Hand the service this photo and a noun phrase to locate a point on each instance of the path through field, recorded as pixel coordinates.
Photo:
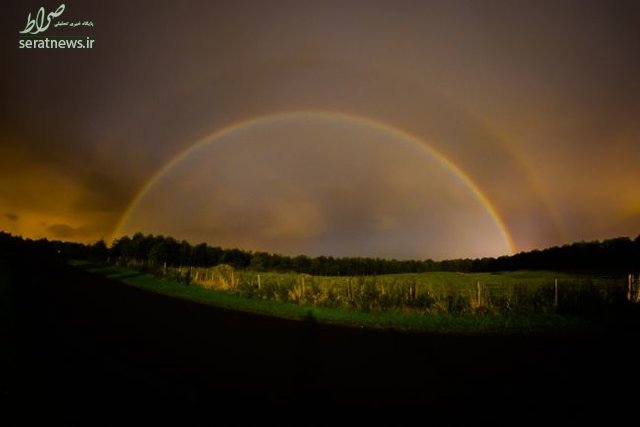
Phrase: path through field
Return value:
(85, 343)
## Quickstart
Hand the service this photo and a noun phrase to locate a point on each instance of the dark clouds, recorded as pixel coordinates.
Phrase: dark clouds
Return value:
(537, 101)
(65, 231)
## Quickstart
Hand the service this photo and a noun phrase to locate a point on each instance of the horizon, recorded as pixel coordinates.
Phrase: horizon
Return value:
(411, 130)
(110, 244)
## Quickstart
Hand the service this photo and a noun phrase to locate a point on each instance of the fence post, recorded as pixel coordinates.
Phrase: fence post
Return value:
(629, 286)
(478, 293)
(259, 282)
(555, 293)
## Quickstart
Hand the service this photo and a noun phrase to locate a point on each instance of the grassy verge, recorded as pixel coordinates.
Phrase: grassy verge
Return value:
(440, 323)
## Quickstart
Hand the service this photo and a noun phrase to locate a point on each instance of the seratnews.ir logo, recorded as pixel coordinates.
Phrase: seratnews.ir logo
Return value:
(32, 37)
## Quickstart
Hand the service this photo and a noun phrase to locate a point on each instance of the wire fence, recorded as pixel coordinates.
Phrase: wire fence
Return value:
(518, 292)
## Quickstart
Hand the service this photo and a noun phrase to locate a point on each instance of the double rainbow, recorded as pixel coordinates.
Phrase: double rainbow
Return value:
(255, 122)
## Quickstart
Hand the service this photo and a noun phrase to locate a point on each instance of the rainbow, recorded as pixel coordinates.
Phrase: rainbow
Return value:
(252, 122)
(532, 179)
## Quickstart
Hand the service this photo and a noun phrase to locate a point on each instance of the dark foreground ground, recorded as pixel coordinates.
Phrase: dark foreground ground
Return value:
(89, 349)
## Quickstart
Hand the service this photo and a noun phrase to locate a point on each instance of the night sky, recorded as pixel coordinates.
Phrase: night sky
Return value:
(376, 128)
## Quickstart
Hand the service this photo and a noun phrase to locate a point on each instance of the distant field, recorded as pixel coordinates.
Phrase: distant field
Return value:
(443, 302)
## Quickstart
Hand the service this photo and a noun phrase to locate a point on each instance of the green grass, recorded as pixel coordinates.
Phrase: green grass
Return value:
(411, 321)
(513, 293)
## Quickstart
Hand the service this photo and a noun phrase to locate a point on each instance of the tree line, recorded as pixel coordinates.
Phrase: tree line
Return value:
(620, 254)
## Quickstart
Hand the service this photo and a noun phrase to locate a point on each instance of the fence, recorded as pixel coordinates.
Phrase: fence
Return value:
(426, 293)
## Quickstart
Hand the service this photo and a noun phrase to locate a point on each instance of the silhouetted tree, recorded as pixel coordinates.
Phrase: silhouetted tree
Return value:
(99, 251)
(619, 255)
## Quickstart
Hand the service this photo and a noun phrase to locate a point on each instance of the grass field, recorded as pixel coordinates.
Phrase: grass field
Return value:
(505, 293)
(240, 291)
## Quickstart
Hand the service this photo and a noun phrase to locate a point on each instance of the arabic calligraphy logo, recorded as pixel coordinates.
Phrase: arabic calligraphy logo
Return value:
(61, 38)
(37, 25)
